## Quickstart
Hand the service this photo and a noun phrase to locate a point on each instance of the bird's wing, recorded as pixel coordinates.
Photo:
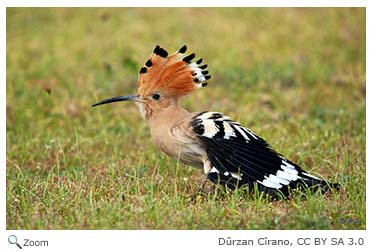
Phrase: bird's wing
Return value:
(240, 157)
(183, 131)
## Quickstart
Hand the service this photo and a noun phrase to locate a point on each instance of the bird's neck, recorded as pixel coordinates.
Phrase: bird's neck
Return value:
(161, 125)
(174, 112)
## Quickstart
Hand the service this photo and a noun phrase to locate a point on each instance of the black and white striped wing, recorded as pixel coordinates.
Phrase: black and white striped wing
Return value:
(239, 157)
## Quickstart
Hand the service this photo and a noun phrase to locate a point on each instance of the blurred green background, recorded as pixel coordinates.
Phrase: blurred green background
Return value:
(295, 76)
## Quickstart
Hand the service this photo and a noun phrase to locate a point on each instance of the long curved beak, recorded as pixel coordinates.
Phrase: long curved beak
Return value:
(135, 98)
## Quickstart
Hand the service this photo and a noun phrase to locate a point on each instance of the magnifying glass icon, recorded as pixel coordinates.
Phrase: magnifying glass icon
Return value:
(12, 239)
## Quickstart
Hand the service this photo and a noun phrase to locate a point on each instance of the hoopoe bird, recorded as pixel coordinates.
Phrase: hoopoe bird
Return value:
(228, 153)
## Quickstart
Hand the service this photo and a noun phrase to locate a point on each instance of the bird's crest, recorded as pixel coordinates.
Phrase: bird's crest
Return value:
(176, 75)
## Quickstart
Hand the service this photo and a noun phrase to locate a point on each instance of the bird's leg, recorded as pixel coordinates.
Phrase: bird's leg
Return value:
(199, 191)
(201, 187)
(207, 167)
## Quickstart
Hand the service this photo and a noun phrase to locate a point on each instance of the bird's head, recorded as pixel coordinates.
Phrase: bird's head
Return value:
(164, 79)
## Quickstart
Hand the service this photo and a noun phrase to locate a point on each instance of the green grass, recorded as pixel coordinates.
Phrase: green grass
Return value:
(294, 76)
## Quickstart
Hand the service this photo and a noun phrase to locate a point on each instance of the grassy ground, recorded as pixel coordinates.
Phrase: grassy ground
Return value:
(294, 76)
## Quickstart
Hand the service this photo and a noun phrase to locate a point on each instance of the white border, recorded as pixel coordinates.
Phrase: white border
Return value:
(164, 240)
(181, 240)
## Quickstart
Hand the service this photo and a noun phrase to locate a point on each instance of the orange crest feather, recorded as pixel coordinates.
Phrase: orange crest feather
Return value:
(175, 75)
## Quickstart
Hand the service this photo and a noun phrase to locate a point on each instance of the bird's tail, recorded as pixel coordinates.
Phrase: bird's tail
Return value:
(318, 183)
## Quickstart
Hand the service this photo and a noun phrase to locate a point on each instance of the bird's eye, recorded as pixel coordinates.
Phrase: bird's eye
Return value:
(156, 96)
